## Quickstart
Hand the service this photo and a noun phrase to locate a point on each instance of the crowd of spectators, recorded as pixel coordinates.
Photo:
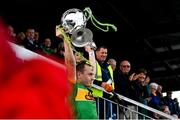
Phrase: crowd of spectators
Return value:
(31, 40)
(136, 85)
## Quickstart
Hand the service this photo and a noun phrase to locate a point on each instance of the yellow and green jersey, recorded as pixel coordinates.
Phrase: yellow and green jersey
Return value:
(84, 103)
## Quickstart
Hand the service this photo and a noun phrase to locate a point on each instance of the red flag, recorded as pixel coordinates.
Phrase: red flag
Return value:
(31, 89)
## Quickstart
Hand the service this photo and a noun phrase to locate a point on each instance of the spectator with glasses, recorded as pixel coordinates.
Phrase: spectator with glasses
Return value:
(121, 77)
(122, 82)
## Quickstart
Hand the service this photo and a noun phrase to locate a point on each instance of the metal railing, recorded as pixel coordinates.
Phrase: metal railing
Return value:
(125, 108)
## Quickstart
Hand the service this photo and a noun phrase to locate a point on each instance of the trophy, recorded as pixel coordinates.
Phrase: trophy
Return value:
(73, 23)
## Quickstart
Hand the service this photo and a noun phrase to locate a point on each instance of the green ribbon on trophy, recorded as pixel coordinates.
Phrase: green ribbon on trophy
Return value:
(96, 23)
(74, 23)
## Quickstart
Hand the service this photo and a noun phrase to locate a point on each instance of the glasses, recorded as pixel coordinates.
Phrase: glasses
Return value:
(124, 66)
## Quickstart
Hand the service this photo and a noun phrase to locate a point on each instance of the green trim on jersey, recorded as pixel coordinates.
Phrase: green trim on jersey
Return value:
(84, 103)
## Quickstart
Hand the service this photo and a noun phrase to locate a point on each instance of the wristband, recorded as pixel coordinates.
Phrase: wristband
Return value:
(91, 53)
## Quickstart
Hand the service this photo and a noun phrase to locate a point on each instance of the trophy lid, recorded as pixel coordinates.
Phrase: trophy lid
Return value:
(72, 20)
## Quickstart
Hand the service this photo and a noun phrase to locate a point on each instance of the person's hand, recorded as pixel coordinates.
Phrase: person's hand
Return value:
(103, 84)
(59, 32)
(148, 99)
(88, 48)
(107, 86)
(133, 77)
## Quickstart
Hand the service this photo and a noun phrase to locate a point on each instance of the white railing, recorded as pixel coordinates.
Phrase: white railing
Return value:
(122, 109)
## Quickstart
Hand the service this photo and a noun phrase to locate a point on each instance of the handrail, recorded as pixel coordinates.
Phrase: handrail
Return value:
(136, 103)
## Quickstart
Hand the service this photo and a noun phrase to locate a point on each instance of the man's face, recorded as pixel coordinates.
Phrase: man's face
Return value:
(47, 42)
(30, 33)
(101, 55)
(147, 80)
(86, 78)
(169, 94)
(142, 77)
(36, 35)
(125, 67)
(113, 65)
